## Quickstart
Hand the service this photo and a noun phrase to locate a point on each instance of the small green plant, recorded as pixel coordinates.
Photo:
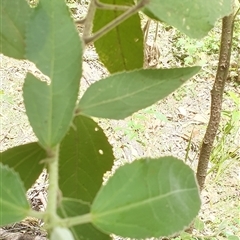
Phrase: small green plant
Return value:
(134, 126)
(226, 149)
(147, 198)
(4, 97)
(136, 123)
(191, 48)
(192, 51)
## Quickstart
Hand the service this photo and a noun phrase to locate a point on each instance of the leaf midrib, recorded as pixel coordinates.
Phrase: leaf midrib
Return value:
(124, 96)
(129, 207)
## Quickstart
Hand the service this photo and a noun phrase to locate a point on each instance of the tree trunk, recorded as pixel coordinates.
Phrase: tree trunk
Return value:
(216, 99)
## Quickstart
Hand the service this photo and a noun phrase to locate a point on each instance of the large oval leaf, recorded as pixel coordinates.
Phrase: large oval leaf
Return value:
(122, 94)
(194, 18)
(54, 46)
(147, 198)
(13, 202)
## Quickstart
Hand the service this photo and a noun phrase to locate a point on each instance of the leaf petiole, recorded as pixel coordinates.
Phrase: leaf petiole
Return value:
(107, 28)
(113, 7)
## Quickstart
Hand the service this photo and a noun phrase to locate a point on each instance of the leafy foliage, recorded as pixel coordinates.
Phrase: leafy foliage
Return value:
(14, 15)
(85, 155)
(161, 198)
(74, 207)
(162, 191)
(120, 95)
(194, 19)
(25, 159)
(116, 43)
(50, 107)
(13, 203)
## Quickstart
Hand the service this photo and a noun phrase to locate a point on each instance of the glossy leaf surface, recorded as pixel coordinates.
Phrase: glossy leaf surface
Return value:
(147, 198)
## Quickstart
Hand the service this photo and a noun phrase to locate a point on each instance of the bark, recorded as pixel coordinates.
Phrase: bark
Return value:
(216, 99)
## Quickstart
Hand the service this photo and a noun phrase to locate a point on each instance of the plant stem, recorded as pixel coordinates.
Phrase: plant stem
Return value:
(107, 6)
(51, 211)
(216, 98)
(72, 221)
(89, 19)
(115, 22)
(35, 214)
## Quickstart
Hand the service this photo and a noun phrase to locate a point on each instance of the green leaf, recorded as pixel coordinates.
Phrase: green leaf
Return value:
(122, 94)
(72, 208)
(147, 198)
(85, 155)
(185, 236)
(14, 15)
(54, 46)
(25, 160)
(233, 237)
(194, 18)
(13, 203)
(198, 224)
(121, 48)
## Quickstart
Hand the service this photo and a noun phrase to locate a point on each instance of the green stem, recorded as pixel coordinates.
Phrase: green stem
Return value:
(51, 211)
(73, 221)
(35, 214)
(89, 19)
(115, 22)
(112, 7)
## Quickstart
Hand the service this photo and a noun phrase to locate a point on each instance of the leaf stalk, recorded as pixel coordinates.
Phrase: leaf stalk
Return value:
(107, 28)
